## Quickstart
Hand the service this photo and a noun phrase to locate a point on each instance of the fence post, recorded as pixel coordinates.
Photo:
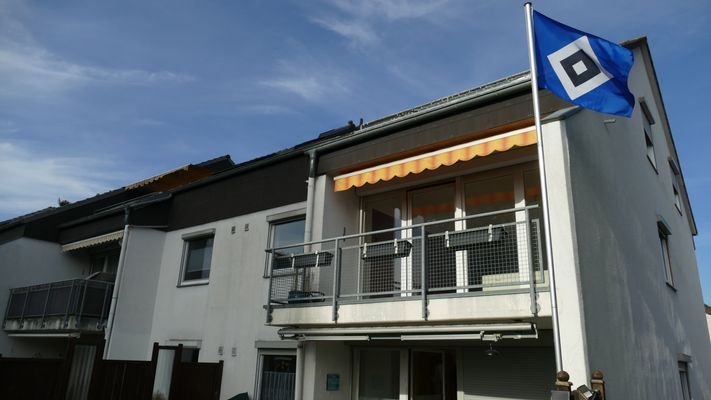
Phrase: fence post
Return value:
(151, 371)
(24, 307)
(336, 280)
(66, 368)
(101, 322)
(218, 387)
(423, 271)
(77, 319)
(46, 301)
(561, 388)
(531, 269)
(598, 383)
(97, 373)
(174, 374)
(69, 303)
(270, 269)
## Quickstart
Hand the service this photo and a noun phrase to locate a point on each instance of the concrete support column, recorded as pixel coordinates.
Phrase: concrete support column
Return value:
(565, 253)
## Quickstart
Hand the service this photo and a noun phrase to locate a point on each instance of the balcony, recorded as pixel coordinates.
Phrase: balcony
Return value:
(482, 267)
(77, 305)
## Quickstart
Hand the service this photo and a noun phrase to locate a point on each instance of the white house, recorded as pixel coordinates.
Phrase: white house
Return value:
(403, 258)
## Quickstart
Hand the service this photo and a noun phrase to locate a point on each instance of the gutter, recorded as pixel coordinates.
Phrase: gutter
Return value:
(117, 209)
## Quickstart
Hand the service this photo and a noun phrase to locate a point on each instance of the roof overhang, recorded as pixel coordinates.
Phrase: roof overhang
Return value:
(94, 241)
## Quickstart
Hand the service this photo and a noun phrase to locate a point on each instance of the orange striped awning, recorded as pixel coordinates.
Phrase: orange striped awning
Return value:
(435, 159)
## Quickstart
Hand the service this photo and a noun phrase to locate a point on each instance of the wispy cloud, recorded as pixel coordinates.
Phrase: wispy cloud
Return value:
(388, 9)
(357, 20)
(357, 32)
(30, 182)
(268, 109)
(29, 69)
(308, 80)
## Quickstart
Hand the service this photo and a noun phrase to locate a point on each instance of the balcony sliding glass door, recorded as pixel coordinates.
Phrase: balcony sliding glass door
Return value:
(431, 204)
(486, 248)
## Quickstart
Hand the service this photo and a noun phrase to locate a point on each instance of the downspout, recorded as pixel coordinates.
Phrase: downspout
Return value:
(310, 182)
(117, 284)
(308, 236)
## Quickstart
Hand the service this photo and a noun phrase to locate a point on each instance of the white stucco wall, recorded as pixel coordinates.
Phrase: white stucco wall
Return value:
(227, 313)
(129, 338)
(565, 247)
(340, 216)
(25, 262)
(321, 359)
(635, 325)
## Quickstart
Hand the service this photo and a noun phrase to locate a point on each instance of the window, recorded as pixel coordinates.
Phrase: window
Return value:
(664, 234)
(283, 234)
(650, 145)
(676, 178)
(105, 261)
(189, 355)
(648, 121)
(277, 375)
(684, 378)
(197, 257)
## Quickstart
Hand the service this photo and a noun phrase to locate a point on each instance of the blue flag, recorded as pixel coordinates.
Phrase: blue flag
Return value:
(582, 68)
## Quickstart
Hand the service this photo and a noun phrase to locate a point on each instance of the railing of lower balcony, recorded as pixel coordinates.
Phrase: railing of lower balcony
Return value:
(495, 252)
(71, 301)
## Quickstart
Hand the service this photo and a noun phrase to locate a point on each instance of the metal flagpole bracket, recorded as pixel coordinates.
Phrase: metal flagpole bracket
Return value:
(544, 189)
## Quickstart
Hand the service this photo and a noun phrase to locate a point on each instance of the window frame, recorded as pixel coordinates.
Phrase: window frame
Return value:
(261, 353)
(675, 178)
(104, 255)
(683, 367)
(664, 233)
(647, 122)
(187, 238)
(274, 221)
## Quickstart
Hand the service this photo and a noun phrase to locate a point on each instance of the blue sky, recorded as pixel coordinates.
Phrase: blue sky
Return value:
(97, 94)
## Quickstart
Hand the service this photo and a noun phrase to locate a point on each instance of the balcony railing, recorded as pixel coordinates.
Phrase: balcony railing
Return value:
(495, 252)
(64, 305)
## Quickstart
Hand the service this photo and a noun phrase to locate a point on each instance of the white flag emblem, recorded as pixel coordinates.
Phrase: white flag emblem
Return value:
(578, 68)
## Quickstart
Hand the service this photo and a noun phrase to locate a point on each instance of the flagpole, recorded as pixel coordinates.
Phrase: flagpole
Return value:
(544, 188)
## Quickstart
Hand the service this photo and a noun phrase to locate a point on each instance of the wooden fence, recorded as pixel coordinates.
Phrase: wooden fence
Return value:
(58, 379)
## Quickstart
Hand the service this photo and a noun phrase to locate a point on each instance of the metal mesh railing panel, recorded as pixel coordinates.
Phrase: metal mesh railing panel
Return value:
(78, 297)
(377, 269)
(304, 275)
(465, 255)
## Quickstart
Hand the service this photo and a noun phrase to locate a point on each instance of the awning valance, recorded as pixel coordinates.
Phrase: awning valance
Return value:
(95, 241)
(435, 159)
